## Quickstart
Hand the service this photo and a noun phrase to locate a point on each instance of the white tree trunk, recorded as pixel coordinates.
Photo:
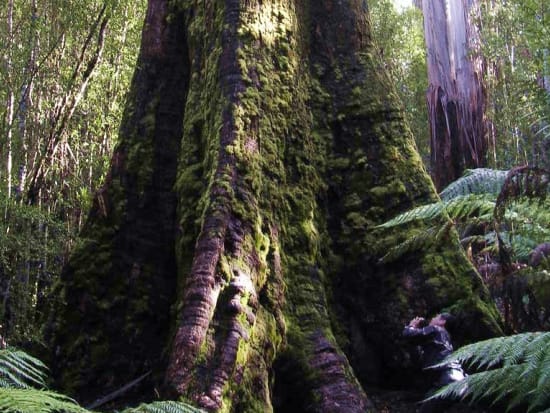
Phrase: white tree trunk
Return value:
(10, 100)
(455, 96)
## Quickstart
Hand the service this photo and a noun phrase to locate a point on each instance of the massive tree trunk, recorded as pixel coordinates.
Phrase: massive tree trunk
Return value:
(455, 96)
(233, 250)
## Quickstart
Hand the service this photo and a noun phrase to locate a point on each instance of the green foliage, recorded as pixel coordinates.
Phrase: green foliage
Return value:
(520, 184)
(32, 244)
(514, 40)
(501, 217)
(516, 372)
(36, 401)
(20, 370)
(399, 36)
(22, 390)
(419, 240)
(20, 374)
(510, 207)
(163, 407)
(67, 81)
(461, 207)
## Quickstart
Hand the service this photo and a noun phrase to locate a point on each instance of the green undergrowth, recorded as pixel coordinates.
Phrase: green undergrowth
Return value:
(23, 390)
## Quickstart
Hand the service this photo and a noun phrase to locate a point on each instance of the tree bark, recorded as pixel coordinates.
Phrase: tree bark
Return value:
(292, 148)
(119, 284)
(10, 100)
(456, 95)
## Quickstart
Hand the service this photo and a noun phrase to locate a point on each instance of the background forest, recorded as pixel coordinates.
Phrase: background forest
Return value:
(66, 67)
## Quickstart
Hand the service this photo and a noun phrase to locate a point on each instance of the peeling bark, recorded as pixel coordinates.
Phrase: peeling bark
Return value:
(292, 150)
(456, 95)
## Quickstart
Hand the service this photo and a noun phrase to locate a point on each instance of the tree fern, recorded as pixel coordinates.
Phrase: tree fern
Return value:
(523, 182)
(519, 216)
(457, 208)
(519, 372)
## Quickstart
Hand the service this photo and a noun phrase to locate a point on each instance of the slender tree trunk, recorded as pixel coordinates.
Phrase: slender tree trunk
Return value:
(291, 150)
(82, 74)
(455, 96)
(10, 103)
(26, 99)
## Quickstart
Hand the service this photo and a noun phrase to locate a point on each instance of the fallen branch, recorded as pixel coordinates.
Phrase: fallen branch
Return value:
(117, 393)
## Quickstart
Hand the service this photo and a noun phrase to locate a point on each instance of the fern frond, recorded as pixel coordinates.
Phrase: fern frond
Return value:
(479, 386)
(522, 246)
(538, 368)
(475, 181)
(522, 182)
(530, 217)
(19, 369)
(489, 353)
(36, 401)
(519, 375)
(542, 394)
(164, 407)
(414, 243)
(19, 372)
(421, 213)
(469, 206)
(458, 208)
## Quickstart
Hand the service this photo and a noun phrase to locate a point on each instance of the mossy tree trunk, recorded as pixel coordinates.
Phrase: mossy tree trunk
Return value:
(291, 147)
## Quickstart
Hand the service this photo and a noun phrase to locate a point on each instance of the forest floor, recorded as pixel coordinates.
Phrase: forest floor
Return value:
(409, 402)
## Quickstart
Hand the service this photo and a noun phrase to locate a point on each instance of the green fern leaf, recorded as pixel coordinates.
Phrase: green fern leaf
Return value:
(19, 369)
(519, 372)
(414, 243)
(457, 209)
(421, 213)
(14, 400)
(164, 407)
(475, 181)
(469, 206)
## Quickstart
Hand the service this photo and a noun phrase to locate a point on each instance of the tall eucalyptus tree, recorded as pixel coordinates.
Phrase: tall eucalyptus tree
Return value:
(234, 248)
(456, 95)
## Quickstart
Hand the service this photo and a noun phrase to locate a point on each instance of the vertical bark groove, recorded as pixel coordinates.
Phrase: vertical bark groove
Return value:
(204, 283)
